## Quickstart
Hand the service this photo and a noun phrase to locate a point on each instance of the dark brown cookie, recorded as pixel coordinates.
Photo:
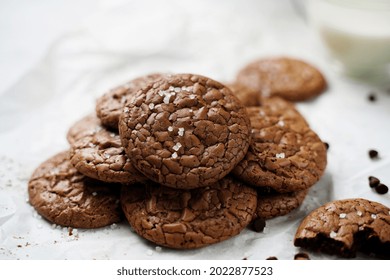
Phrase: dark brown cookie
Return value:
(110, 105)
(185, 131)
(278, 204)
(247, 96)
(66, 197)
(186, 219)
(99, 154)
(344, 227)
(289, 78)
(84, 127)
(285, 154)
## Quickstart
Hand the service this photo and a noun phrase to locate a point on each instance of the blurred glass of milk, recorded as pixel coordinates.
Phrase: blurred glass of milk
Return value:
(356, 34)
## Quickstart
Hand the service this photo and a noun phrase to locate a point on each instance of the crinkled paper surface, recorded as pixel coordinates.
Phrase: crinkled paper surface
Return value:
(213, 38)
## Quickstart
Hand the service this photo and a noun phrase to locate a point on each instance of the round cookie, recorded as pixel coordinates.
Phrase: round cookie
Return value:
(187, 219)
(110, 105)
(247, 96)
(289, 78)
(344, 227)
(185, 131)
(285, 154)
(86, 126)
(278, 204)
(99, 154)
(66, 197)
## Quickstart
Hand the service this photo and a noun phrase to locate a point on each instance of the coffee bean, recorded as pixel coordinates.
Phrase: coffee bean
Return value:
(258, 225)
(381, 189)
(373, 181)
(373, 154)
(301, 256)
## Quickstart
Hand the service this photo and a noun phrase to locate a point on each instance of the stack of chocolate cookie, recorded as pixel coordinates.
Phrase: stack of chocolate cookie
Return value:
(183, 159)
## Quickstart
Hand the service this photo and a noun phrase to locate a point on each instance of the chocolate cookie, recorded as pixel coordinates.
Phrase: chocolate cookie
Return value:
(247, 96)
(110, 105)
(278, 204)
(185, 219)
(66, 197)
(285, 154)
(344, 227)
(84, 127)
(185, 131)
(289, 78)
(99, 154)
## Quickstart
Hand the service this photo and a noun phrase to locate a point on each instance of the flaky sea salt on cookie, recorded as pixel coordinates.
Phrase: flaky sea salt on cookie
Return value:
(185, 131)
(285, 154)
(343, 227)
(110, 105)
(99, 154)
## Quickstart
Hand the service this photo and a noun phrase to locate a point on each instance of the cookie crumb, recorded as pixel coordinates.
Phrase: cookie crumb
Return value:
(149, 252)
(373, 154)
(381, 189)
(70, 231)
(114, 226)
(301, 256)
(272, 258)
(373, 181)
(258, 225)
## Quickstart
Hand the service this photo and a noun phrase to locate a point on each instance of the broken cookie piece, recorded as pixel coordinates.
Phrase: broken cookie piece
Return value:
(343, 227)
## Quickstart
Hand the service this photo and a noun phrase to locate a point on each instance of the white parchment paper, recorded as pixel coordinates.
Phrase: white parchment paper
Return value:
(212, 38)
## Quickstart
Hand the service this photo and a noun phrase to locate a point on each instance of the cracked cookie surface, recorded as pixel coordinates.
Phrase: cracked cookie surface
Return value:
(247, 96)
(278, 204)
(284, 154)
(289, 78)
(186, 219)
(65, 197)
(99, 154)
(344, 227)
(87, 125)
(110, 105)
(185, 131)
